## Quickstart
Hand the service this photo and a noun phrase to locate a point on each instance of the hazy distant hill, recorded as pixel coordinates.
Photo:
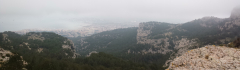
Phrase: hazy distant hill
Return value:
(40, 42)
(35, 46)
(82, 32)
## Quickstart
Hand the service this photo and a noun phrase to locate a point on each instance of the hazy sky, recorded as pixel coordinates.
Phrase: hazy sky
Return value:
(72, 14)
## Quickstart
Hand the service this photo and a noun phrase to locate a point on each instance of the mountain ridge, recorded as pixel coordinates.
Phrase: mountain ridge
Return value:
(81, 32)
(163, 39)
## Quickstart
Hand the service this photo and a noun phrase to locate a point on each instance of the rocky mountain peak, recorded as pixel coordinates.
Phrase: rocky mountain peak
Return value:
(235, 13)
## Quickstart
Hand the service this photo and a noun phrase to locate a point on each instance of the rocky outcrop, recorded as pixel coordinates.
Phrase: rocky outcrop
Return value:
(181, 46)
(143, 32)
(91, 53)
(39, 50)
(4, 55)
(27, 45)
(163, 43)
(184, 45)
(208, 57)
(68, 44)
(5, 38)
(66, 47)
(35, 36)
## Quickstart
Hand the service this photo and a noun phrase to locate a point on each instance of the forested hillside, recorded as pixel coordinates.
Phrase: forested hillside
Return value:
(49, 51)
(114, 41)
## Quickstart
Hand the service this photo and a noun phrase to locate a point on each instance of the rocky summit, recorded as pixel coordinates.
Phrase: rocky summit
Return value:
(208, 57)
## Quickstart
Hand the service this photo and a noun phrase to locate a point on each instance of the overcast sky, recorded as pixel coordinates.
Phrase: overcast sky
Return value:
(71, 14)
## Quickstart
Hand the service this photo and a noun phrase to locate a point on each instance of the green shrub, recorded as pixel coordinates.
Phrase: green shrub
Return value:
(236, 43)
(8, 55)
(206, 56)
(231, 45)
(221, 45)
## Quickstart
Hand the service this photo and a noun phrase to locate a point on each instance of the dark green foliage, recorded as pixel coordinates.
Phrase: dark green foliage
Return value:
(97, 61)
(159, 28)
(221, 45)
(1, 38)
(8, 55)
(52, 45)
(153, 61)
(230, 45)
(107, 61)
(117, 42)
(53, 56)
(15, 63)
(114, 41)
(237, 43)
(45, 63)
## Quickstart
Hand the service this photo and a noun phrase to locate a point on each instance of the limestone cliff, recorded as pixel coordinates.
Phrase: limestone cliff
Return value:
(162, 37)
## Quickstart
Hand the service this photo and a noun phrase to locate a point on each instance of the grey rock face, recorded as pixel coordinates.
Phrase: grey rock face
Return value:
(235, 14)
(143, 32)
(162, 44)
(70, 46)
(5, 38)
(208, 57)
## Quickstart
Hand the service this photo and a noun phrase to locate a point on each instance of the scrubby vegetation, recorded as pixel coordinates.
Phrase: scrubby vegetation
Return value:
(117, 42)
(97, 61)
(53, 56)
(15, 63)
(235, 43)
